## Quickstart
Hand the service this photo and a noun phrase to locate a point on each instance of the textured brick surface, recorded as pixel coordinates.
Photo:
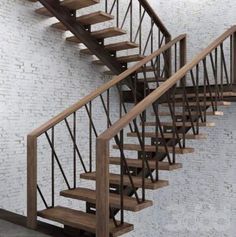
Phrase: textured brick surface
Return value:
(40, 75)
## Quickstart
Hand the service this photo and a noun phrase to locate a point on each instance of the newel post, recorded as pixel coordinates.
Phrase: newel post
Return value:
(168, 71)
(32, 182)
(102, 188)
(183, 56)
(234, 59)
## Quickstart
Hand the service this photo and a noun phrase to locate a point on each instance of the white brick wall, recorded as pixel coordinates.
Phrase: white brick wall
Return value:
(41, 75)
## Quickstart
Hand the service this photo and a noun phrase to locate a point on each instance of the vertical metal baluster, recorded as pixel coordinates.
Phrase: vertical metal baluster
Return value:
(205, 90)
(174, 125)
(143, 157)
(231, 61)
(118, 15)
(157, 138)
(90, 139)
(216, 79)
(122, 177)
(106, 6)
(176, 66)
(53, 168)
(131, 20)
(74, 147)
(108, 106)
(197, 97)
(221, 73)
(140, 30)
(152, 38)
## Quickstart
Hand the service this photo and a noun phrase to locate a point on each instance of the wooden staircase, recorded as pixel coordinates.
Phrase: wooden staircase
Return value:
(170, 104)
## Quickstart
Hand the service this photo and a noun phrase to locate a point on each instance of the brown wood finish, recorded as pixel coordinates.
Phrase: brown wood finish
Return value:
(31, 182)
(126, 59)
(89, 19)
(152, 148)
(44, 12)
(88, 195)
(115, 47)
(208, 103)
(115, 179)
(137, 163)
(208, 113)
(78, 4)
(170, 135)
(81, 220)
(180, 124)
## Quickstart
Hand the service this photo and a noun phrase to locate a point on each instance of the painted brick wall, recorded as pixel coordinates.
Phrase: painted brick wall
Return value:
(41, 75)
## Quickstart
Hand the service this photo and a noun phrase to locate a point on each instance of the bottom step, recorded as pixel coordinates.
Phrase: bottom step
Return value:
(81, 220)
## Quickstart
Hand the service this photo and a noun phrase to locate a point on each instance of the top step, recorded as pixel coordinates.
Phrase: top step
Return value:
(78, 4)
(81, 220)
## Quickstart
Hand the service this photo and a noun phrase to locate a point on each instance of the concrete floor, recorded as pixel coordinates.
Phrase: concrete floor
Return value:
(8, 229)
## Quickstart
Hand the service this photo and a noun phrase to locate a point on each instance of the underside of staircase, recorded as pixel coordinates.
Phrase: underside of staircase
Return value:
(170, 102)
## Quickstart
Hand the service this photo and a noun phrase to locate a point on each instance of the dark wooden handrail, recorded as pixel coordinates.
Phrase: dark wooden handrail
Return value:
(155, 18)
(156, 94)
(117, 79)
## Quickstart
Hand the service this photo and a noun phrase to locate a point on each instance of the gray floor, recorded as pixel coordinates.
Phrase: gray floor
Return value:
(11, 230)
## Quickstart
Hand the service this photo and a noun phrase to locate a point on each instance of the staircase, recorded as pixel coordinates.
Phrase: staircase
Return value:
(167, 102)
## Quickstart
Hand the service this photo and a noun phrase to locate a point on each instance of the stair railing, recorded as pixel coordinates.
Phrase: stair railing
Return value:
(148, 31)
(47, 140)
(209, 75)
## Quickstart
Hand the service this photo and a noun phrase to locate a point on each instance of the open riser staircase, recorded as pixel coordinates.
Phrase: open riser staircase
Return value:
(149, 112)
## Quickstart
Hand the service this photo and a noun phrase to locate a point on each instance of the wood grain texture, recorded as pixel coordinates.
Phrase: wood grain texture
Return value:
(78, 4)
(81, 220)
(115, 179)
(88, 195)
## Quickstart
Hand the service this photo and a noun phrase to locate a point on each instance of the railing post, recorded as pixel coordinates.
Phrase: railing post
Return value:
(183, 55)
(102, 188)
(234, 59)
(32, 182)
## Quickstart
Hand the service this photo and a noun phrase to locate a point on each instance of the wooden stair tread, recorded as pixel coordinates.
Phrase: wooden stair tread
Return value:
(170, 135)
(89, 19)
(207, 103)
(126, 59)
(115, 47)
(140, 70)
(152, 148)
(152, 79)
(193, 95)
(180, 124)
(78, 4)
(115, 179)
(44, 12)
(89, 195)
(208, 113)
(100, 34)
(81, 220)
(137, 163)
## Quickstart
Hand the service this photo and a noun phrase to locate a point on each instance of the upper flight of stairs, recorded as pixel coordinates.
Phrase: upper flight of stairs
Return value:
(153, 142)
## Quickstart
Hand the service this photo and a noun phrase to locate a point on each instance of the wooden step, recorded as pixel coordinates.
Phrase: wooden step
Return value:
(137, 163)
(208, 113)
(147, 69)
(44, 12)
(170, 135)
(115, 47)
(81, 220)
(193, 95)
(194, 104)
(152, 148)
(89, 195)
(78, 4)
(115, 179)
(100, 34)
(152, 79)
(124, 59)
(180, 124)
(89, 19)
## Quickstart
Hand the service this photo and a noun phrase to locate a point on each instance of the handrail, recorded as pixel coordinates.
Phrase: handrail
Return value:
(156, 19)
(157, 93)
(60, 117)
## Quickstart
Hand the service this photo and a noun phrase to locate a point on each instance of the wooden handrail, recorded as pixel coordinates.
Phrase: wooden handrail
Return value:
(60, 117)
(155, 18)
(156, 94)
